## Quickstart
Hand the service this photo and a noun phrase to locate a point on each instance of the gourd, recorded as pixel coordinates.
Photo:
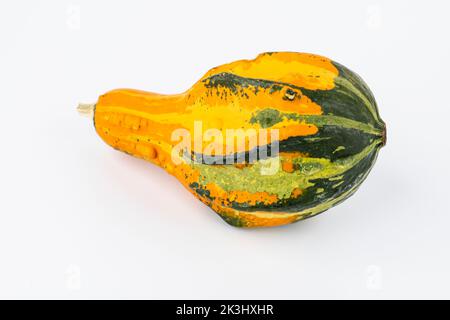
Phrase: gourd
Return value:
(327, 125)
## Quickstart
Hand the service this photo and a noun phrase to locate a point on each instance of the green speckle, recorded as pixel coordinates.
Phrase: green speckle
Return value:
(339, 149)
(309, 167)
(337, 184)
(275, 88)
(267, 118)
(234, 221)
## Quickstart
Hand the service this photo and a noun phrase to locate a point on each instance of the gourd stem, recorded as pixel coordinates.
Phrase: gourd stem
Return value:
(384, 135)
(86, 109)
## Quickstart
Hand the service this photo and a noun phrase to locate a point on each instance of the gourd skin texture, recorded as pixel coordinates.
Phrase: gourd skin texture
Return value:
(329, 128)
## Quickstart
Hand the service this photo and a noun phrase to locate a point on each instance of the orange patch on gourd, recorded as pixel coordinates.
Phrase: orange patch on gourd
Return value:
(287, 166)
(226, 198)
(296, 192)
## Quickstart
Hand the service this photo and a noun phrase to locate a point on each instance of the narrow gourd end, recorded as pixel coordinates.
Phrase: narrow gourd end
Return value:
(86, 109)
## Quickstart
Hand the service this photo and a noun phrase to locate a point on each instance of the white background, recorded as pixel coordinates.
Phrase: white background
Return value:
(81, 220)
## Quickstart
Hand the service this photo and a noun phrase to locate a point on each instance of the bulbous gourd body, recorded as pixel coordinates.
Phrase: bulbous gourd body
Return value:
(328, 134)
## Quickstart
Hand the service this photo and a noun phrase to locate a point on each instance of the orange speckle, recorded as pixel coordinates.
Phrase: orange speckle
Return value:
(287, 166)
(292, 155)
(296, 192)
(152, 152)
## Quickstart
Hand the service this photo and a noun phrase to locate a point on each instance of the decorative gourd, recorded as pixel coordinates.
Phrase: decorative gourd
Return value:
(328, 130)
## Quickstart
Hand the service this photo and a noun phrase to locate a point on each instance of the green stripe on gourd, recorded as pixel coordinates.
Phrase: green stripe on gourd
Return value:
(269, 117)
(312, 173)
